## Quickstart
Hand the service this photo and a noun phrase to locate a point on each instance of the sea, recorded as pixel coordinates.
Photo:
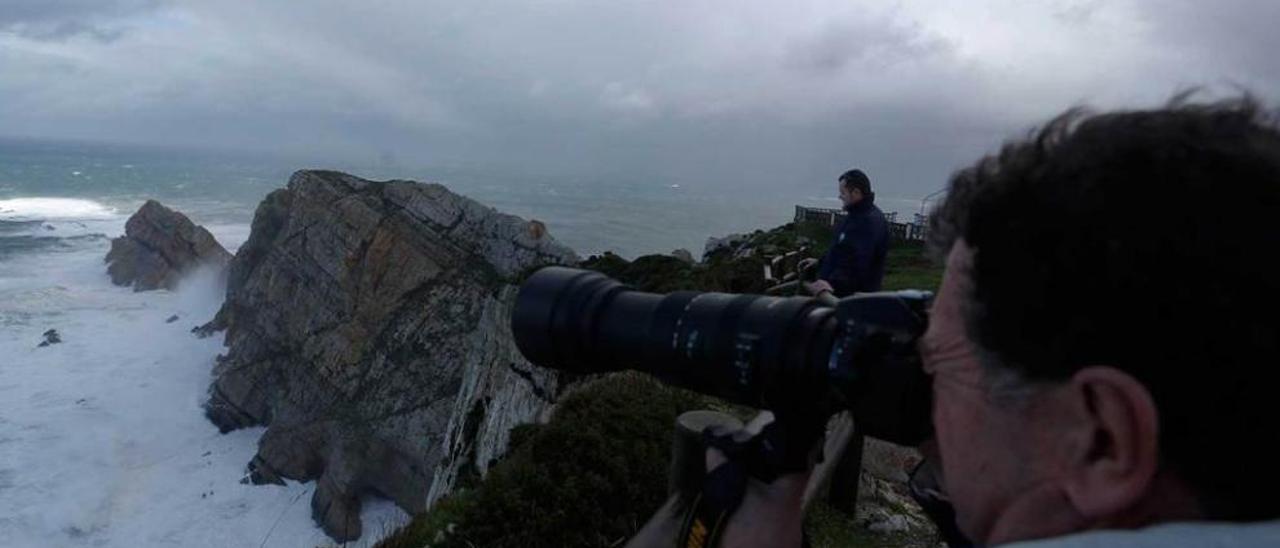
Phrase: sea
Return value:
(103, 441)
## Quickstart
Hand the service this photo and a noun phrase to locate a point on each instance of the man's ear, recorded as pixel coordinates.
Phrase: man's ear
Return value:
(1113, 453)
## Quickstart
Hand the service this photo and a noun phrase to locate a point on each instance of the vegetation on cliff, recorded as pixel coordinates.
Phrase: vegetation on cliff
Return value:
(738, 267)
(588, 477)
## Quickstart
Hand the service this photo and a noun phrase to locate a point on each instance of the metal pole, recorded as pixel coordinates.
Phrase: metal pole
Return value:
(930, 196)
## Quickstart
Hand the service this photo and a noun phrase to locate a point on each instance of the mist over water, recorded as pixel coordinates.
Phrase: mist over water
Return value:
(630, 213)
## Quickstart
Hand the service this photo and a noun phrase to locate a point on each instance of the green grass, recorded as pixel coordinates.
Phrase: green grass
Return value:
(908, 267)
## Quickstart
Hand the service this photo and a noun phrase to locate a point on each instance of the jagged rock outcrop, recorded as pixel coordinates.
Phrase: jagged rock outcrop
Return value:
(50, 337)
(160, 246)
(367, 326)
(732, 242)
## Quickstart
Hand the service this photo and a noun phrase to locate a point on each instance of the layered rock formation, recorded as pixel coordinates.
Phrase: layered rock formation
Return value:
(159, 247)
(367, 326)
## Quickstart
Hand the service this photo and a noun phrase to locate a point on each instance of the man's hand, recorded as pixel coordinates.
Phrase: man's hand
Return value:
(771, 514)
(818, 286)
(768, 513)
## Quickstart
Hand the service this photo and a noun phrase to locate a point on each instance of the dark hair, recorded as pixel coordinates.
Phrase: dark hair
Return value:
(855, 178)
(1144, 240)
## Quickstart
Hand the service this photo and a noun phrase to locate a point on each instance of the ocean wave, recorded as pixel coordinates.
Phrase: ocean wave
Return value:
(11, 245)
(49, 209)
(11, 227)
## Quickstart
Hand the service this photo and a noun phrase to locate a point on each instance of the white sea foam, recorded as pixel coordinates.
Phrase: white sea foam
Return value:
(57, 223)
(102, 438)
(47, 209)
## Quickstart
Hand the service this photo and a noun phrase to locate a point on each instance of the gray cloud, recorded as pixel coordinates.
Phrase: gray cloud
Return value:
(728, 94)
(1236, 40)
(71, 29)
(57, 20)
(871, 43)
(39, 11)
(1076, 12)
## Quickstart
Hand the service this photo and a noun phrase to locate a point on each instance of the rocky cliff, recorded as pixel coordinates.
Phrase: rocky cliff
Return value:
(160, 246)
(367, 328)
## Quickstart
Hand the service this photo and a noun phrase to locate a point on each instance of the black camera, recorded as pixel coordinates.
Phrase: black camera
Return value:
(786, 354)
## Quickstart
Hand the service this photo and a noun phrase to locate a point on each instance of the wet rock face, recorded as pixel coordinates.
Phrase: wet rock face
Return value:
(368, 328)
(160, 246)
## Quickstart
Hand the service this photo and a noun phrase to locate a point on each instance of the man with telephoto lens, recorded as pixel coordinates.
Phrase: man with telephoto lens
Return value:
(1105, 345)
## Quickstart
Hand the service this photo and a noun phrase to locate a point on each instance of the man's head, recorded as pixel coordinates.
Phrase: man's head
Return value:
(1104, 350)
(853, 187)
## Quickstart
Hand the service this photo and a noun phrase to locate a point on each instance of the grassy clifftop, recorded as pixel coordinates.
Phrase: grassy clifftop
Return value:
(738, 267)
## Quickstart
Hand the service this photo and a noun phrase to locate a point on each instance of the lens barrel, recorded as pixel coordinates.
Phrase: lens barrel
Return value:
(779, 353)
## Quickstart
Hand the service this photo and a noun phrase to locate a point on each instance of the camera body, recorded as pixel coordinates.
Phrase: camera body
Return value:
(791, 355)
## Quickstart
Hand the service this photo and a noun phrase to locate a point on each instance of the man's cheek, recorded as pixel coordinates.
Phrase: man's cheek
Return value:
(947, 415)
(946, 425)
(958, 427)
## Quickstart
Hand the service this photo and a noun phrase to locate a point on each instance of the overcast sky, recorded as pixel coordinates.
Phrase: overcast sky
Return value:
(742, 93)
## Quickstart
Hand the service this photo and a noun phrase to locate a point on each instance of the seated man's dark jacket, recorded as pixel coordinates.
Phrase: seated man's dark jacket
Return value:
(855, 262)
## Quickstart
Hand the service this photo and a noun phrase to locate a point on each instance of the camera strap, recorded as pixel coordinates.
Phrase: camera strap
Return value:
(710, 510)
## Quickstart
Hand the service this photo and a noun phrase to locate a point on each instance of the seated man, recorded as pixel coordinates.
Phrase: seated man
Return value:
(1105, 346)
(855, 261)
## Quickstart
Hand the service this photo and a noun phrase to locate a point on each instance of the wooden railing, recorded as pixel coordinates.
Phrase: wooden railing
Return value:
(832, 217)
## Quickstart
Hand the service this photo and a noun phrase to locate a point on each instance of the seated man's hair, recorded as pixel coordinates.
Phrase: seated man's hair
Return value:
(1147, 241)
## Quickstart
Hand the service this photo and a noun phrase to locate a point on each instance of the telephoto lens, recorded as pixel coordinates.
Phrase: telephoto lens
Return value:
(786, 354)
